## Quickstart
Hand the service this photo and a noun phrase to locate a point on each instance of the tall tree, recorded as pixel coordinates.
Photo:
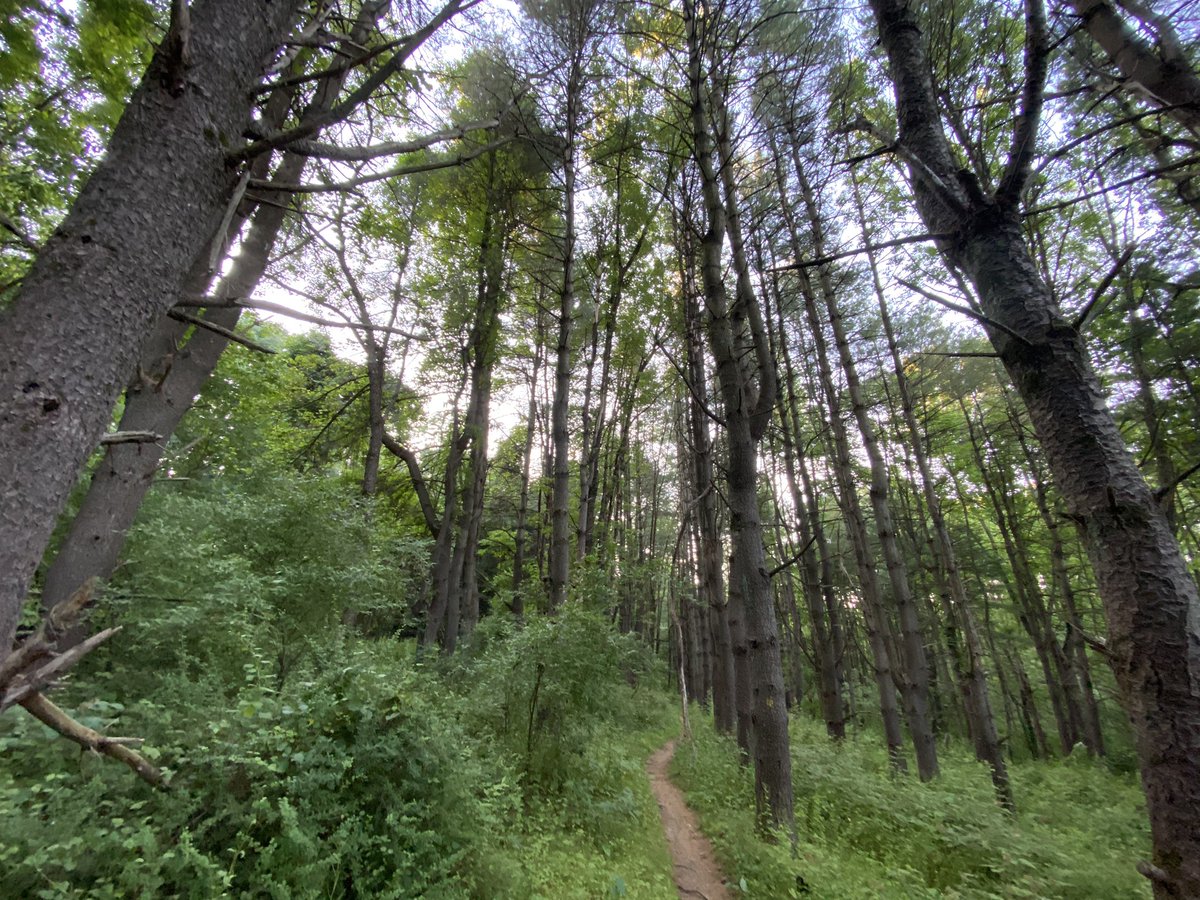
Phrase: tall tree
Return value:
(746, 374)
(131, 236)
(1149, 595)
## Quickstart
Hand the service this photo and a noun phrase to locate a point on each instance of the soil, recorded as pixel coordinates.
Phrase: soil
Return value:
(696, 873)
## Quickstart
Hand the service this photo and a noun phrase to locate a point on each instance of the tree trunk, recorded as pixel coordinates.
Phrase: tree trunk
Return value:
(747, 406)
(969, 653)
(915, 681)
(130, 239)
(1151, 601)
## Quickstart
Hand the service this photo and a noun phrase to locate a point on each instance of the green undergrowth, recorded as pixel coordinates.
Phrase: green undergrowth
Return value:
(368, 776)
(311, 760)
(864, 833)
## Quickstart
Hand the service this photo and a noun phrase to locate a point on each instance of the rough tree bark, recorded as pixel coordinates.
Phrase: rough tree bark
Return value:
(1151, 601)
(746, 375)
(114, 267)
(172, 369)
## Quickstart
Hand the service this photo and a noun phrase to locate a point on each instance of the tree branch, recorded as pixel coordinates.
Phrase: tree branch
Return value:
(398, 172)
(228, 333)
(1024, 142)
(46, 712)
(865, 248)
(1085, 315)
(391, 148)
(418, 482)
(204, 302)
(962, 310)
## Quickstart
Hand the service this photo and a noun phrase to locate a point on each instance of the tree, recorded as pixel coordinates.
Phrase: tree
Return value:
(738, 341)
(131, 237)
(1149, 595)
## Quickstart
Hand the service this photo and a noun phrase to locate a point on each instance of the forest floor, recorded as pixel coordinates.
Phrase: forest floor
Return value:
(694, 867)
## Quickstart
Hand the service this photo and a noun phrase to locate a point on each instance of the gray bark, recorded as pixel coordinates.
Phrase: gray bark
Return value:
(172, 369)
(70, 338)
(747, 404)
(1151, 601)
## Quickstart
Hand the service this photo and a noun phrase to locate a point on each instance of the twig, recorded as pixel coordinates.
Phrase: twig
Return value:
(218, 329)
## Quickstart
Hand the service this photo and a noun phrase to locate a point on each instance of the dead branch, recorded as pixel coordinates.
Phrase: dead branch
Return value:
(228, 333)
(130, 437)
(46, 712)
(35, 663)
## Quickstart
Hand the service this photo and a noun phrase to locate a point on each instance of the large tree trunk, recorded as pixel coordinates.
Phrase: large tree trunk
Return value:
(1151, 601)
(69, 340)
(172, 369)
(1160, 72)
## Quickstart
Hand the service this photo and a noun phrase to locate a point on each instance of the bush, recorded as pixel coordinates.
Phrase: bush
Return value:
(356, 782)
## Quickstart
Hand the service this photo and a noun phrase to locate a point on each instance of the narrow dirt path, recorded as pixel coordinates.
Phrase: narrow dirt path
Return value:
(695, 868)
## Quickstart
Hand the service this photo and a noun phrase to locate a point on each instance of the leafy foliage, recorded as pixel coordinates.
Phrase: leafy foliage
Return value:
(864, 832)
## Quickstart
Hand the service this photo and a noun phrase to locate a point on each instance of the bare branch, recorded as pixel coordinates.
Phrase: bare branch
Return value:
(391, 148)
(46, 712)
(962, 310)
(229, 333)
(1085, 315)
(12, 227)
(418, 481)
(130, 437)
(866, 248)
(444, 162)
(278, 308)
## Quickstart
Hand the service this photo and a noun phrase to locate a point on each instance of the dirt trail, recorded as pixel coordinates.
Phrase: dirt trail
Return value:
(695, 869)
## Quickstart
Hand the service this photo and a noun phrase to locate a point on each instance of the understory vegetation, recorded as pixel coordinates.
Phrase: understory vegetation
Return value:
(865, 832)
(306, 761)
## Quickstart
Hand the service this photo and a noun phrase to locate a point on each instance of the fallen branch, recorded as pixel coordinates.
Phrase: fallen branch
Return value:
(46, 712)
(25, 672)
(27, 683)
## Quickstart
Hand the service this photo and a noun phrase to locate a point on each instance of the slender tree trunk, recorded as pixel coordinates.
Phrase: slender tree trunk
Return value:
(747, 410)
(969, 653)
(915, 680)
(520, 538)
(874, 621)
(560, 523)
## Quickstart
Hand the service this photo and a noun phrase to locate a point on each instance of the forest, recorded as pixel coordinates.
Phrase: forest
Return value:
(431, 430)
